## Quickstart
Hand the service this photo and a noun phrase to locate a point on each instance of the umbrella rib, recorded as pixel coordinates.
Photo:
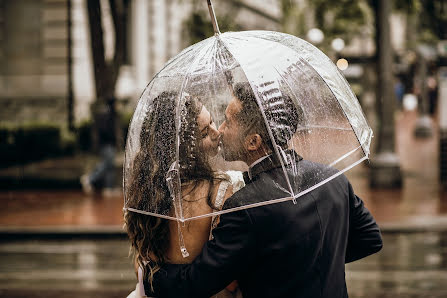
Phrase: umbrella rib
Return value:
(149, 84)
(287, 83)
(174, 59)
(213, 67)
(274, 201)
(149, 213)
(332, 92)
(344, 112)
(306, 62)
(177, 112)
(344, 156)
(128, 133)
(323, 126)
(265, 120)
(254, 204)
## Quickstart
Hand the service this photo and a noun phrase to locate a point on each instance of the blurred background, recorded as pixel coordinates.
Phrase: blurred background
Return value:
(71, 73)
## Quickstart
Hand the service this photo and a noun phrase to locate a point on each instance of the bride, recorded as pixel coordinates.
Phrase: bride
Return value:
(155, 240)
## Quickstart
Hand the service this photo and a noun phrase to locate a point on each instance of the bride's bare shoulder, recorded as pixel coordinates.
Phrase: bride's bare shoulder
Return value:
(196, 190)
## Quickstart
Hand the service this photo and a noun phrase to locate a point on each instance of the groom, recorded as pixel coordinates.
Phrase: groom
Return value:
(282, 249)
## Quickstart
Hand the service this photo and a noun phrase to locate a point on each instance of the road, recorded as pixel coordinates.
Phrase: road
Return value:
(410, 265)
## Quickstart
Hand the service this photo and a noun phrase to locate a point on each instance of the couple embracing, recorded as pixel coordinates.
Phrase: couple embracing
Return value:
(276, 250)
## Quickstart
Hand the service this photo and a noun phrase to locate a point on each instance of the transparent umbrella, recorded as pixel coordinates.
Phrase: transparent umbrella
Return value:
(305, 111)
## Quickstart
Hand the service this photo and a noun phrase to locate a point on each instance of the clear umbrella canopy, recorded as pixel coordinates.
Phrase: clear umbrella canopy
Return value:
(263, 83)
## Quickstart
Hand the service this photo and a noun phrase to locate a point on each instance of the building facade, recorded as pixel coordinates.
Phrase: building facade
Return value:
(34, 54)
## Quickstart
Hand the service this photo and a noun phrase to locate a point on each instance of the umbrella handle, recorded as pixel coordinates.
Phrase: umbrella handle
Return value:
(213, 18)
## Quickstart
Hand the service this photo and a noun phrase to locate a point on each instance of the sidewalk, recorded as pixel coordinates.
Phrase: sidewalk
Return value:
(419, 206)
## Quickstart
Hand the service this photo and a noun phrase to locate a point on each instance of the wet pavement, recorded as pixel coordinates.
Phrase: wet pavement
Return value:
(58, 208)
(410, 265)
(39, 258)
(420, 199)
(65, 268)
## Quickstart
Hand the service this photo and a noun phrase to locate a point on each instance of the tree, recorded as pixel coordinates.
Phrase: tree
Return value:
(344, 18)
(106, 72)
(198, 25)
(426, 20)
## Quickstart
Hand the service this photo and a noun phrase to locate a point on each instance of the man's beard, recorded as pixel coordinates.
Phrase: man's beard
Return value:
(228, 154)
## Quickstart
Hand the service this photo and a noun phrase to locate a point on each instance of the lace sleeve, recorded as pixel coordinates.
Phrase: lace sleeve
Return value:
(233, 178)
(237, 179)
(220, 196)
(219, 199)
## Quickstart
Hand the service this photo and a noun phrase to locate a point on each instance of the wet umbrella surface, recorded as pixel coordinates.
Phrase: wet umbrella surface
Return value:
(304, 109)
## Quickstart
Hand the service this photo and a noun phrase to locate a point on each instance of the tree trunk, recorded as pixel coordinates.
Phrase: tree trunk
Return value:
(70, 96)
(106, 72)
(97, 44)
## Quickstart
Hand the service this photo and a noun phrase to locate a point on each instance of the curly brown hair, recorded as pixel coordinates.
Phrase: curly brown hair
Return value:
(147, 188)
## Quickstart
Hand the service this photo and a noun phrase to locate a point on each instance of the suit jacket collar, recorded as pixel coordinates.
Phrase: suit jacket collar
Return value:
(269, 163)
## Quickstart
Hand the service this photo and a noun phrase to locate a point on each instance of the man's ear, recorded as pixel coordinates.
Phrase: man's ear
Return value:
(253, 142)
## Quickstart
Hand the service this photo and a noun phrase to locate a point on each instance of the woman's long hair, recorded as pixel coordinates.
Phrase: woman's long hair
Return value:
(147, 187)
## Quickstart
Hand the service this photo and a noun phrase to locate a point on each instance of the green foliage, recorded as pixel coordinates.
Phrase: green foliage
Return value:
(293, 18)
(199, 27)
(407, 6)
(343, 18)
(125, 119)
(431, 17)
(347, 18)
(37, 140)
(84, 135)
(433, 20)
(84, 131)
(29, 142)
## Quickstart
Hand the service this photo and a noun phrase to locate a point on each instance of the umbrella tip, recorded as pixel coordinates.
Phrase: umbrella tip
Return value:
(213, 18)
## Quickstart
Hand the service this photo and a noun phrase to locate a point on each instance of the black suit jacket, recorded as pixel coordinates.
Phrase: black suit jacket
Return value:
(282, 249)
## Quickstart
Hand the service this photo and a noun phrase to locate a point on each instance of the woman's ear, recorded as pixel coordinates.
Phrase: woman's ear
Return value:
(253, 142)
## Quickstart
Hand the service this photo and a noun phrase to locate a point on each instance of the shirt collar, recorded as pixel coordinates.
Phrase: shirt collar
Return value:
(255, 163)
(269, 162)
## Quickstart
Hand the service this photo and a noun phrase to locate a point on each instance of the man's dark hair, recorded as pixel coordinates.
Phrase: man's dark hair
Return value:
(281, 113)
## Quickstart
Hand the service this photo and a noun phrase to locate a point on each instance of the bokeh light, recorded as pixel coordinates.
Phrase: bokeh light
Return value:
(342, 64)
(338, 44)
(315, 35)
